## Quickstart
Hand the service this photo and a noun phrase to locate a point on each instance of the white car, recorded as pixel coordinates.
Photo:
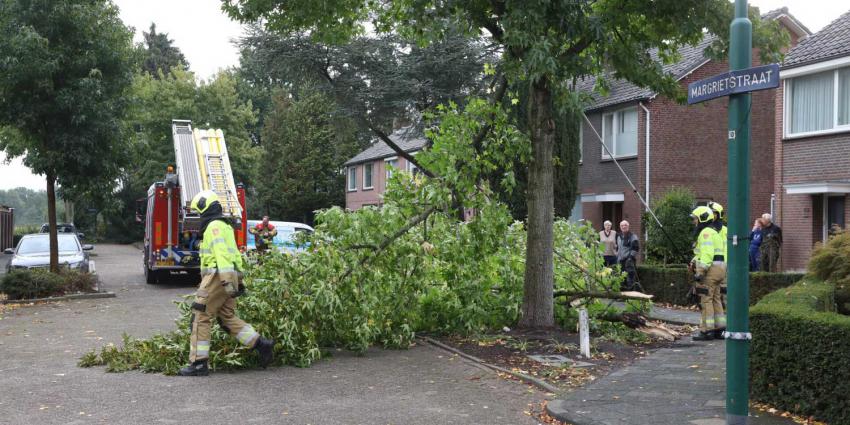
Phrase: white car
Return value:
(285, 239)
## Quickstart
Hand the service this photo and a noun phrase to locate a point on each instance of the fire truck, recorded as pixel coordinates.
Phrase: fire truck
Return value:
(172, 229)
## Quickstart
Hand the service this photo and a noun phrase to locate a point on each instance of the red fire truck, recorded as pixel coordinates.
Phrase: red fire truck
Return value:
(171, 228)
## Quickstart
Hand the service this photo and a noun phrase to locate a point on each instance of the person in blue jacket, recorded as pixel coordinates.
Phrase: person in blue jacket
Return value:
(755, 244)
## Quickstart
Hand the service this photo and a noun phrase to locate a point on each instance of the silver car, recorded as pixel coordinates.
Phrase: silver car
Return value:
(33, 251)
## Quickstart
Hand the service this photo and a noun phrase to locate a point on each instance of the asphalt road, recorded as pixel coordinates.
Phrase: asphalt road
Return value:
(41, 384)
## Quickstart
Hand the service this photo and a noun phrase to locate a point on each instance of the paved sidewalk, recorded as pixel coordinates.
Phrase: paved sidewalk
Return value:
(684, 384)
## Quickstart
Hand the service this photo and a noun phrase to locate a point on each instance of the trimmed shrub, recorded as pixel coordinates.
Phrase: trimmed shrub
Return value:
(829, 261)
(800, 351)
(40, 283)
(24, 284)
(671, 245)
(670, 284)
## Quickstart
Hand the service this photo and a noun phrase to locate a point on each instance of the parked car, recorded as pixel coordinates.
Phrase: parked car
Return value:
(285, 239)
(63, 228)
(33, 251)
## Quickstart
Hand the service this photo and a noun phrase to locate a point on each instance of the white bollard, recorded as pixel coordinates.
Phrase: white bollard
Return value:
(584, 332)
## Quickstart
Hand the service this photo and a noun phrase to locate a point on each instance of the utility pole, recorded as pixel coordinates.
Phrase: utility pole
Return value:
(738, 327)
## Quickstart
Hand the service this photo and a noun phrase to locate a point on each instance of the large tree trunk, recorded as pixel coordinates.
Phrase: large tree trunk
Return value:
(51, 220)
(537, 303)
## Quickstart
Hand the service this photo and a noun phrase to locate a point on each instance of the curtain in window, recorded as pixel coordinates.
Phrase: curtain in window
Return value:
(811, 102)
(608, 133)
(627, 133)
(367, 175)
(844, 96)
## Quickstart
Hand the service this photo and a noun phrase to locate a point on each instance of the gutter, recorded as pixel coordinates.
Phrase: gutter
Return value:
(646, 139)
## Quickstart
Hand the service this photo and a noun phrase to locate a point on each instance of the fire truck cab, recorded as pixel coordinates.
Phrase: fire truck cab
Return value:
(171, 228)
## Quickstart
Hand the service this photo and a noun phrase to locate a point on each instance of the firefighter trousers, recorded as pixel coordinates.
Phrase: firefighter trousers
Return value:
(713, 316)
(211, 301)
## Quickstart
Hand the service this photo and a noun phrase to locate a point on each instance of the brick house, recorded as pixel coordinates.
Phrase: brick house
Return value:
(661, 144)
(366, 173)
(812, 141)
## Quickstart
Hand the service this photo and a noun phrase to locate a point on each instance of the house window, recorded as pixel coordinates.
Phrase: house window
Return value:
(619, 131)
(390, 165)
(367, 176)
(352, 179)
(819, 102)
(412, 168)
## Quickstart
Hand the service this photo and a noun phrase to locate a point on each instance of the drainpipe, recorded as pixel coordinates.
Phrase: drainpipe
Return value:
(646, 168)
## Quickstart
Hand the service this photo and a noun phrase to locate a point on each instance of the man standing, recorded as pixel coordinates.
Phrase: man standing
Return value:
(221, 272)
(627, 250)
(709, 268)
(264, 233)
(771, 242)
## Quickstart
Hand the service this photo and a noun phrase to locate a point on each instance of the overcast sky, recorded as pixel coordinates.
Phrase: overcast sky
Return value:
(205, 34)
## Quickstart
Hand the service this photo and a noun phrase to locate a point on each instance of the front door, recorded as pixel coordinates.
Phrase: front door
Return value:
(834, 214)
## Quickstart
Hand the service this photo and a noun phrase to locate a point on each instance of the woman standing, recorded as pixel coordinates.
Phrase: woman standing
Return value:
(755, 244)
(608, 239)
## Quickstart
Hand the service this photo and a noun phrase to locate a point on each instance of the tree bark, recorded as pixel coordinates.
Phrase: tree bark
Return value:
(51, 221)
(537, 304)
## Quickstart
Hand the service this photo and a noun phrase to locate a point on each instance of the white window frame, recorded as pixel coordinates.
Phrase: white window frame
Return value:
(388, 172)
(371, 168)
(352, 179)
(411, 168)
(614, 125)
(786, 106)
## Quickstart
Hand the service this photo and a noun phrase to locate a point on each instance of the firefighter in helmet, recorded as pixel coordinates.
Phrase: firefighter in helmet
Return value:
(720, 227)
(221, 275)
(264, 233)
(709, 265)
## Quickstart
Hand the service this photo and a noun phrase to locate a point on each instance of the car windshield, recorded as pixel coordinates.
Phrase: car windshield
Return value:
(41, 244)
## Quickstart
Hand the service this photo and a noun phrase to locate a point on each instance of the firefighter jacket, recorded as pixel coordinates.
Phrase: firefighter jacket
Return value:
(708, 250)
(219, 253)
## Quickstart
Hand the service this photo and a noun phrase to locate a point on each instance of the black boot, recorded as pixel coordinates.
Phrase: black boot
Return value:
(718, 334)
(703, 336)
(196, 368)
(265, 347)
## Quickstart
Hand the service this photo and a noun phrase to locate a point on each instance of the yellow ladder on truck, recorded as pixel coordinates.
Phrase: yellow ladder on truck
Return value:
(215, 169)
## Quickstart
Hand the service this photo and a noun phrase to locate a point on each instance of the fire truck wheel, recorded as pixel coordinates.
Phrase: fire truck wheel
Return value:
(151, 276)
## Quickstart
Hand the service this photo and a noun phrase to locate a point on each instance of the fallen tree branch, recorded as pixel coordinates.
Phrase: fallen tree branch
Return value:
(622, 296)
(413, 222)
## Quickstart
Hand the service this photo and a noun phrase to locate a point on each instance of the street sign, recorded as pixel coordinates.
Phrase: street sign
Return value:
(733, 82)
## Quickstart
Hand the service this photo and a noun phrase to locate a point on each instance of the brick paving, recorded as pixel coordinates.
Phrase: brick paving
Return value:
(684, 384)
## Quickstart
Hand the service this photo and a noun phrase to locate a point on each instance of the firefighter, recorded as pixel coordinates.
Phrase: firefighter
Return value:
(709, 267)
(264, 233)
(720, 227)
(221, 273)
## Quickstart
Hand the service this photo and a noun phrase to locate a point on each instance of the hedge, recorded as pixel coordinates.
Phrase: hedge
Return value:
(40, 283)
(800, 353)
(670, 284)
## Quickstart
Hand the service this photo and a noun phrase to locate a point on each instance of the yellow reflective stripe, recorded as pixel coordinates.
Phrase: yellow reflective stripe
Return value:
(202, 349)
(226, 269)
(216, 241)
(246, 335)
(709, 322)
(721, 320)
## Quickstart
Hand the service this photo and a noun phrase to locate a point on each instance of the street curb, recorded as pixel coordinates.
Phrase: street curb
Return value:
(521, 376)
(91, 296)
(555, 409)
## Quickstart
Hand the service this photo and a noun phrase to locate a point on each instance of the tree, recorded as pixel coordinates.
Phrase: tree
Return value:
(160, 54)
(178, 95)
(64, 73)
(374, 80)
(548, 46)
(305, 143)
